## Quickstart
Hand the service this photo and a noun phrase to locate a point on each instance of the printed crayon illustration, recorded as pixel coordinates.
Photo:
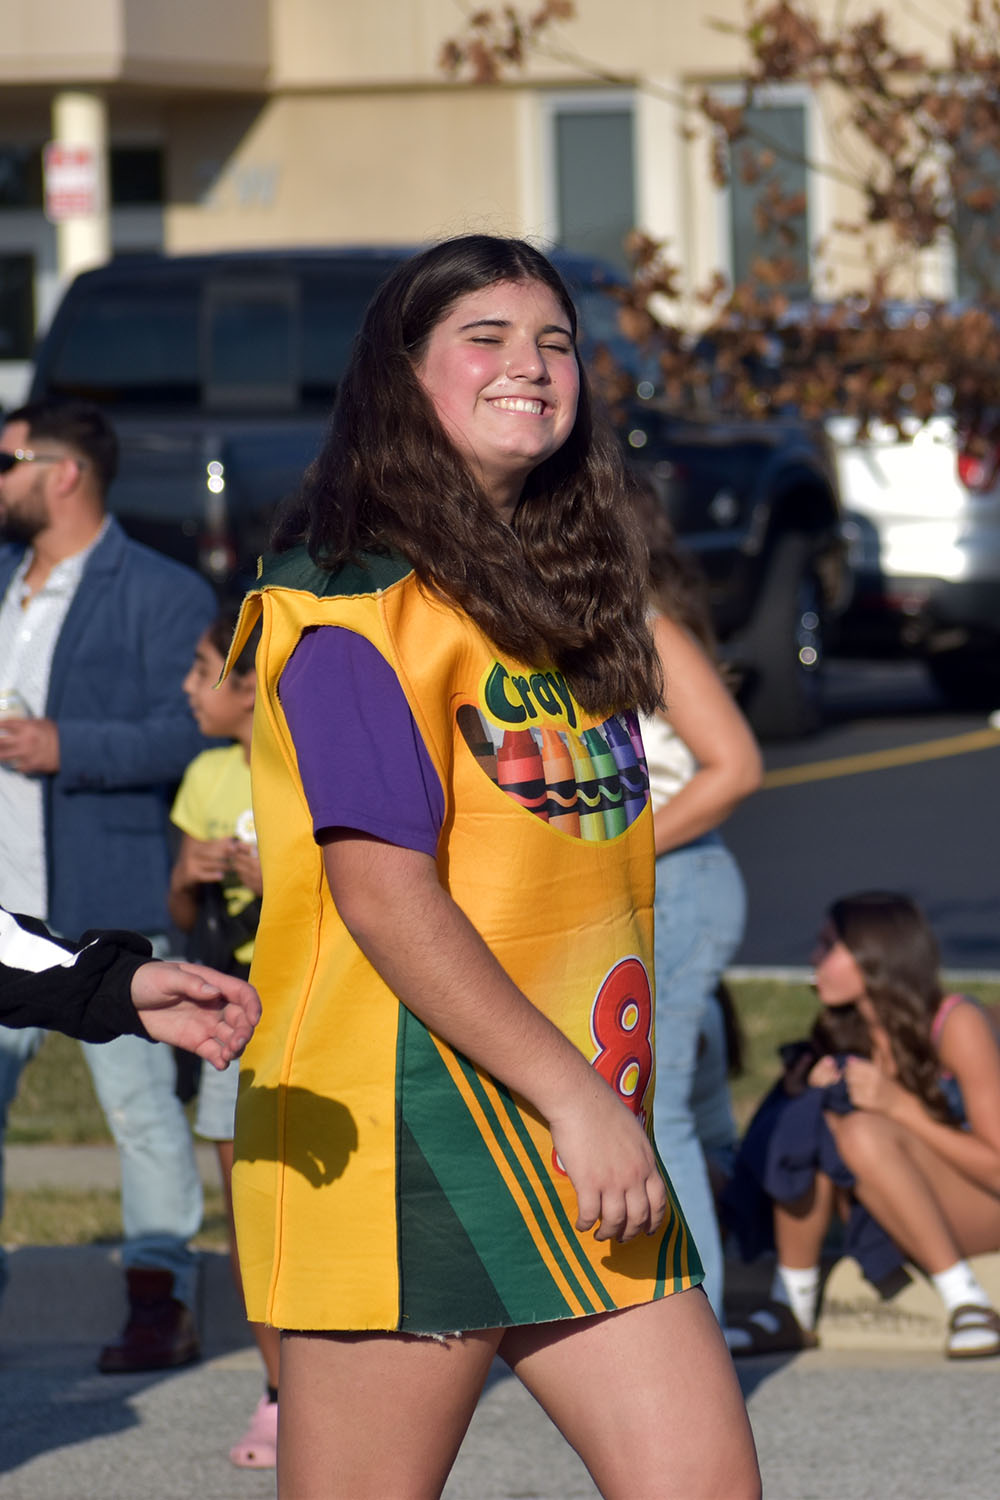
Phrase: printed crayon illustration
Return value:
(589, 784)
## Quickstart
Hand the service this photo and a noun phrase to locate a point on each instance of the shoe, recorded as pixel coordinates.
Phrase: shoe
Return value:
(773, 1329)
(973, 1332)
(258, 1447)
(159, 1333)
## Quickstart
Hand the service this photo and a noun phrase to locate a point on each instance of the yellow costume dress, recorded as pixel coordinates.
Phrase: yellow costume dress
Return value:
(381, 1181)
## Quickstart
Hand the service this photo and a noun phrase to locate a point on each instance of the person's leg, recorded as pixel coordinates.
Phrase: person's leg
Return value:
(699, 917)
(934, 1214)
(161, 1188)
(161, 1205)
(17, 1046)
(267, 1339)
(368, 1416)
(648, 1398)
(905, 1188)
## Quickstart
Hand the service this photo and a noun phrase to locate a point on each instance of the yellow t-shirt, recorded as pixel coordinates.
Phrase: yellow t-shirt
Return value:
(213, 802)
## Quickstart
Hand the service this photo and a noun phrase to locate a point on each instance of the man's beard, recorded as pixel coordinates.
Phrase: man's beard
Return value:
(21, 527)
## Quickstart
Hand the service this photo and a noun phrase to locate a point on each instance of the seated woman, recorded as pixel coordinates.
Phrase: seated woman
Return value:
(894, 1109)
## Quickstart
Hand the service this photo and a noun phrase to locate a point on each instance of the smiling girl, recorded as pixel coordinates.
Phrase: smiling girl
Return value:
(442, 1148)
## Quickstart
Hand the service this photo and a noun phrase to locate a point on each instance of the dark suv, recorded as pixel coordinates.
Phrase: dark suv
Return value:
(219, 372)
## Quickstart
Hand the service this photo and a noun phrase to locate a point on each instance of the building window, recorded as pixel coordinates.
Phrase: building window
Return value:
(17, 306)
(768, 213)
(20, 177)
(594, 178)
(137, 176)
(976, 188)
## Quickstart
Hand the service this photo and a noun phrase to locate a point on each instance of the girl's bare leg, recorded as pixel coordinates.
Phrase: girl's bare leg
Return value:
(800, 1227)
(932, 1212)
(648, 1398)
(375, 1416)
(268, 1340)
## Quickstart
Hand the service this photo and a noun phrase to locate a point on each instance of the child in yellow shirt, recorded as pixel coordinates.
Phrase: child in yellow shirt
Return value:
(215, 892)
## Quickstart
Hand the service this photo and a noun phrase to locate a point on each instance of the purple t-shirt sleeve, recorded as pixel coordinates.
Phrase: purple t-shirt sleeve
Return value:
(362, 760)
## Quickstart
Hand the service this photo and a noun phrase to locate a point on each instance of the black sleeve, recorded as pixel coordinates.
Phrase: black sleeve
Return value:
(82, 989)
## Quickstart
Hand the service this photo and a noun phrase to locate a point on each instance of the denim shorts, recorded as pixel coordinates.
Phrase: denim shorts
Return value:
(216, 1115)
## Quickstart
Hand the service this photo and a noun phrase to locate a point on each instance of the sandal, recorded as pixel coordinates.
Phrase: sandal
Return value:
(773, 1329)
(973, 1332)
(258, 1447)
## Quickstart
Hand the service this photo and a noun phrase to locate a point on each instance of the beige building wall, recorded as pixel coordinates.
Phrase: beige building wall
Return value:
(344, 168)
(289, 122)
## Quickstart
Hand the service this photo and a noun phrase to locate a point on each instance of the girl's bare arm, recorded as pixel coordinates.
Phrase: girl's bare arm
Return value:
(702, 711)
(434, 960)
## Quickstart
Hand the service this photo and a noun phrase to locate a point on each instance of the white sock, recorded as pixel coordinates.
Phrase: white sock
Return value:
(958, 1285)
(797, 1289)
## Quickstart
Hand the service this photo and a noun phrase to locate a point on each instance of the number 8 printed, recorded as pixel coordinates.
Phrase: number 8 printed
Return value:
(621, 1024)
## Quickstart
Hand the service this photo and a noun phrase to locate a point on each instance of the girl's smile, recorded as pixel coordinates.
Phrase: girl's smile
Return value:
(502, 373)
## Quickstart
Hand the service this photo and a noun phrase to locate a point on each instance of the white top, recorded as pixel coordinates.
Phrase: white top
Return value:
(670, 762)
(29, 629)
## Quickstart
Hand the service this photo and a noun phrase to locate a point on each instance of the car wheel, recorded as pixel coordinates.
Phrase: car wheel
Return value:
(783, 647)
(967, 679)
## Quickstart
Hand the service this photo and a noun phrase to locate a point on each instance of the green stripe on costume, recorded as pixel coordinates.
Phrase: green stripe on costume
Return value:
(460, 1160)
(443, 1282)
(598, 1291)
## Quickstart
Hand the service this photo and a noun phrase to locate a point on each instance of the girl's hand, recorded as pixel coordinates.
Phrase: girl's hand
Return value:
(244, 861)
(824, 1072)
(869, 1088)
(609, 1160)
(201, 861)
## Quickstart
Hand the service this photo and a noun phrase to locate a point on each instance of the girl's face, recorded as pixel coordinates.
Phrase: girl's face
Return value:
(220, 712)
(502, 372)
(836, 974)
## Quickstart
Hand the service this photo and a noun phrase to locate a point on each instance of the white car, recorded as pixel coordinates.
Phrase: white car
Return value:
(922, 521)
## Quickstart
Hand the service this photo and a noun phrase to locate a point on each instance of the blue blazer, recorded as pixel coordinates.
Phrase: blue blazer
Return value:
(125, 733)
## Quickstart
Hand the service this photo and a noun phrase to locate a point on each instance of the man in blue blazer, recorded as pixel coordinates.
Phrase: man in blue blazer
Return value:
(96, 636)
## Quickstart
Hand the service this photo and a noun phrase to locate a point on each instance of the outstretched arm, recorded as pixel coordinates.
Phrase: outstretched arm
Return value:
(96, 989)
(435, 961)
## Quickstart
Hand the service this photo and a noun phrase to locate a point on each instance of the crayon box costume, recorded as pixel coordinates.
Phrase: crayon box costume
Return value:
(380, 1180)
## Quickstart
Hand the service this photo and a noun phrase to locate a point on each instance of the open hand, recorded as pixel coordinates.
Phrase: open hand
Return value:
(197, 1008)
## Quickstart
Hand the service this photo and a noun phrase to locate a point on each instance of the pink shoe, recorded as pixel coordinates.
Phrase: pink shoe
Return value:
(258, 1447)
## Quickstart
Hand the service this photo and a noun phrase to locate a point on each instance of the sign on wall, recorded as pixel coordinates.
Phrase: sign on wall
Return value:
(72, 181)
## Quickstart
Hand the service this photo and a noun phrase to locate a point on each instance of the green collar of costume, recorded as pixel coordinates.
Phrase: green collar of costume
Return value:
(366, 574)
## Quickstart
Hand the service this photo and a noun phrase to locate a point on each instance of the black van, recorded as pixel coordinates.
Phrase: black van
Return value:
(219, 371)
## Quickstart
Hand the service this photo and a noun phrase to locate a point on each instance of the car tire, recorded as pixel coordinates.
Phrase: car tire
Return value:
(782, 649)
(966, 679)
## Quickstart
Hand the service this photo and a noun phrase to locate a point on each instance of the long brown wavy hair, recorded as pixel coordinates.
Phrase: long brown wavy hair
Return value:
(890, 940)
(564, 584)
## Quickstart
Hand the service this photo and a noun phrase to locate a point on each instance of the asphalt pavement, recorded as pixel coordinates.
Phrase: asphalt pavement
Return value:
(838, 1423)
(874, 1414)
(861, 818)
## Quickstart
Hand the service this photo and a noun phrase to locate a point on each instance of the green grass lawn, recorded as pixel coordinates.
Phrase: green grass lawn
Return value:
(56, 1103)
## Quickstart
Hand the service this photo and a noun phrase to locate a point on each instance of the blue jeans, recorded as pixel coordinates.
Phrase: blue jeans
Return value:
(161, 1188)
(700, 914)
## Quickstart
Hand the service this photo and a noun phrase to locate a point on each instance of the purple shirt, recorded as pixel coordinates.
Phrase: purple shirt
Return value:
(361, 757)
